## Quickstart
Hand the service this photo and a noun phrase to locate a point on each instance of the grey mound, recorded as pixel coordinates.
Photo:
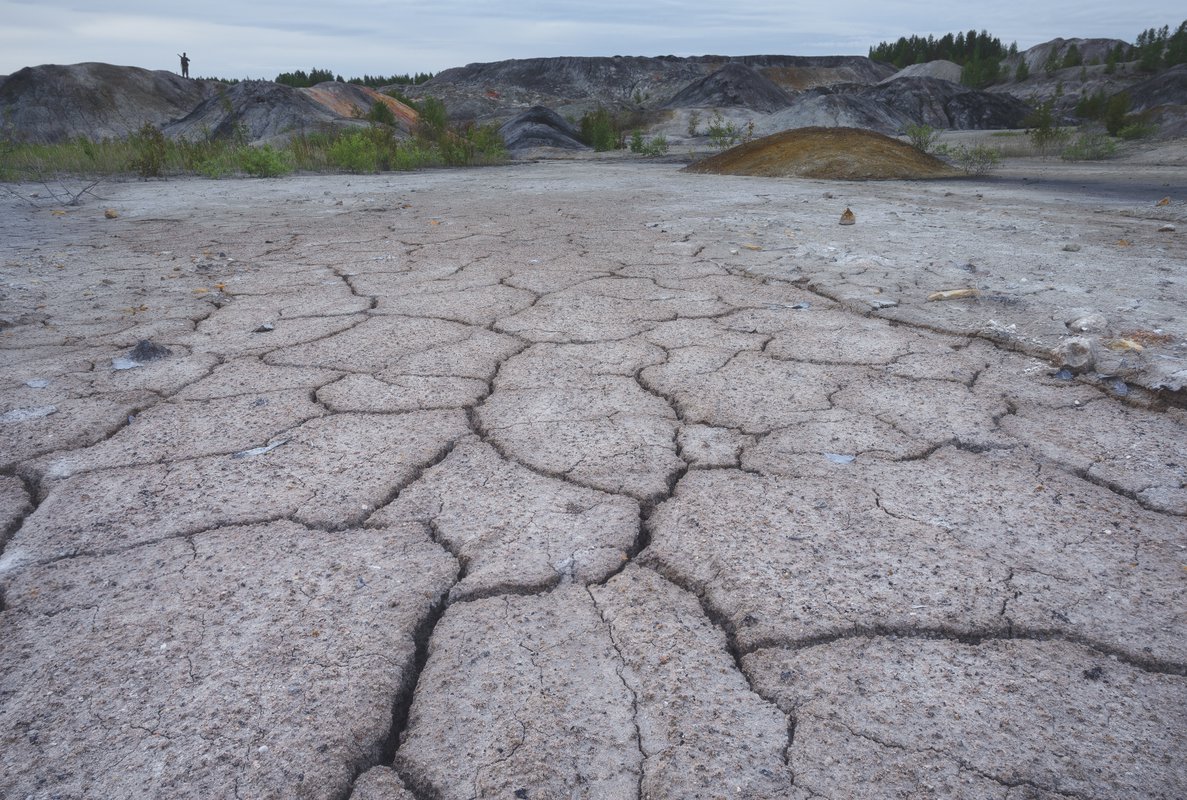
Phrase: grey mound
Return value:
(733, 85)
(540, 127)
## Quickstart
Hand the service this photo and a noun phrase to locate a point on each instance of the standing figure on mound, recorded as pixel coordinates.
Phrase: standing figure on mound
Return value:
(185, 65)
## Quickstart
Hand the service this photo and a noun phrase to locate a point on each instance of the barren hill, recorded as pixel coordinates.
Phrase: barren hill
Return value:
(53, 103)
(501, 89)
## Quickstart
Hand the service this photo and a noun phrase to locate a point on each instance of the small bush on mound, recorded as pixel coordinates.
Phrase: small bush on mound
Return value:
(354, 152)
(922, 137)
(1092, 146)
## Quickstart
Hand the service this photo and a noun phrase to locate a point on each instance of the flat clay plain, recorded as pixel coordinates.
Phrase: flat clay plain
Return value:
(595, 479)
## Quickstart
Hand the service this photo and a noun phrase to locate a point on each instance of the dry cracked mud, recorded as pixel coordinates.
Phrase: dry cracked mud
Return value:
(595, 480)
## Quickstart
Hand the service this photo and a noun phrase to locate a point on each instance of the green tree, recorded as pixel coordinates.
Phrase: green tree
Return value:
(1023, 71)
(1116, 113)
(1072, 57)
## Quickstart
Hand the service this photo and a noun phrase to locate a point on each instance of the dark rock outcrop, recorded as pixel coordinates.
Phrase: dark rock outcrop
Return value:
(54, 103)
(734, 84)
(540, 127)
(944, 104)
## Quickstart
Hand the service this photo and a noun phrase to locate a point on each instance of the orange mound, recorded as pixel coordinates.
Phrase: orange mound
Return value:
(847, 154)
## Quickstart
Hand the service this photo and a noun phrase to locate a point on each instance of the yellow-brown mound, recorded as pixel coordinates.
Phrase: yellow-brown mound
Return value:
(847, 154)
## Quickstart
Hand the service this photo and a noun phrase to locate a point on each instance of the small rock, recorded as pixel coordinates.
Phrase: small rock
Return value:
(267, 327)
(37, 383)
(1071, 247)
(1077, 354)
(848, 218)
(148, 351)
(1089, 323)
(839, 458)
(25, 414)
(1167, 229)
(1166, 201)
(111, 213)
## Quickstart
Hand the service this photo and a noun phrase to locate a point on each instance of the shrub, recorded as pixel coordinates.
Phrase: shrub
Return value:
(656, 146)
(722, 134)
(265, 161)
(1089, 147)
(694, 123)
(381, 114)
(979, 160)
(1137, 129)
(599, 130)
(148, 151)
(922, 137)
(354, 152)
(1044, 129)
(636, 143)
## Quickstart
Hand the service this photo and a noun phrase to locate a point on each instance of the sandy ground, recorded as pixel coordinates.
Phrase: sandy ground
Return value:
(592, 479)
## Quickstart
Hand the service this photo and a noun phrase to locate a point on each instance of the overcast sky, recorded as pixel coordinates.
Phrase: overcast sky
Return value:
(259, 39)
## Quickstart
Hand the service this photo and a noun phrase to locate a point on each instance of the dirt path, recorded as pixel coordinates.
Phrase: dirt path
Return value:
(599, 480)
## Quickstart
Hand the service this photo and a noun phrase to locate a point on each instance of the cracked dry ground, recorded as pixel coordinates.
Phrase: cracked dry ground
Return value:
(556, 481)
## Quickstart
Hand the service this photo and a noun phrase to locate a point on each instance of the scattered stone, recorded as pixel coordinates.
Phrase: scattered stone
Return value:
(267, 327)
(1166, 229)
(1071, 248)
(111, 213)
(848, 217)
(37, 383)
(1077, 354)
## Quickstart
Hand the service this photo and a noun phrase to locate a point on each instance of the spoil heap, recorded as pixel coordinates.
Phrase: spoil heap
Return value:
(829, 153)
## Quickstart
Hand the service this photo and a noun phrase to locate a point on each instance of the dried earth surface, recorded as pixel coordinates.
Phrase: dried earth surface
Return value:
(596, 479)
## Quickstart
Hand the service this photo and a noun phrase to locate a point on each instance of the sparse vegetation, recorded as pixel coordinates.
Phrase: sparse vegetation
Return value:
(977, 160)
(149, 153)
(1089, 146)
(1044, 128)
(694, 123)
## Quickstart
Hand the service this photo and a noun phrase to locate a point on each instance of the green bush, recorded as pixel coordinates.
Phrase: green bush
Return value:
(1137, 129)
(636, 143)
(382, 114)
(148, 151)
(922, 137)
(1089, 147)
(722, 134)
(599, 130)
(354, 152)
(979, 160)
(694, 123)
(656, 146)
(1044, 130)
(265, 161)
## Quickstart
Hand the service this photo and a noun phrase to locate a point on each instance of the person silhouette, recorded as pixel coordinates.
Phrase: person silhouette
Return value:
(185, 65)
